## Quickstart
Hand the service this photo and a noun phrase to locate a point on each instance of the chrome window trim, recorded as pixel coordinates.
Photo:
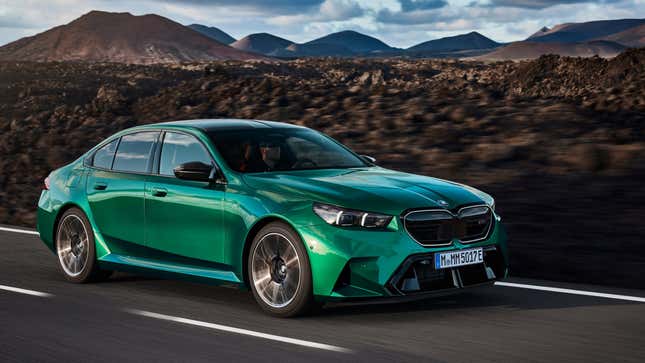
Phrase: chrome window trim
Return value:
(90, 157)
(156, 168)
(452, 216)
(88, 161)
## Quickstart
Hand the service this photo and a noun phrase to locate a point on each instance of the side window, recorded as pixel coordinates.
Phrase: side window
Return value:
(135, 152)
(104, 156)
(181, 148)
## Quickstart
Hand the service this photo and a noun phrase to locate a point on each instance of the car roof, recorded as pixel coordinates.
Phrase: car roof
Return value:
(226, 124)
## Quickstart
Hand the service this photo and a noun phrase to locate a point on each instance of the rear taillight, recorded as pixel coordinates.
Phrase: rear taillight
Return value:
(47, 182)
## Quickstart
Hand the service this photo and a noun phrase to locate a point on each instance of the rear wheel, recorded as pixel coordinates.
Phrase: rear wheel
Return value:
(279, 271)
(75, 248)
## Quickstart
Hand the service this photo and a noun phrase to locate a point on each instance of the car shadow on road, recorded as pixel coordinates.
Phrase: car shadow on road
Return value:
(489, 297)
(183, 289)
(486, 297)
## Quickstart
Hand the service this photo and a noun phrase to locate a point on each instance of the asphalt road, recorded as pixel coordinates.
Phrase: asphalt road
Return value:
(96, 322)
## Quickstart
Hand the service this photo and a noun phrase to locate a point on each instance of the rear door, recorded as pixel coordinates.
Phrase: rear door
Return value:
(115, 187)
(183, 217)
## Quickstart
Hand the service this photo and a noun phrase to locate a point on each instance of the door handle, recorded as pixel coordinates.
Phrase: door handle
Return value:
(100, 186)
(159, 192)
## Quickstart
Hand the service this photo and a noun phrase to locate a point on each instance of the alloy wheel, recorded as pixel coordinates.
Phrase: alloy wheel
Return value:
(276, 270)
(72, 245)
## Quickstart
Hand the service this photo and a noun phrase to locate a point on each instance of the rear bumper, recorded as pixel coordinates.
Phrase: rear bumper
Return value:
(357, 265)
(46, 218)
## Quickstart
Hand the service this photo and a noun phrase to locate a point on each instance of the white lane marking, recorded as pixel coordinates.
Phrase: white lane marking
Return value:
(25, 291)
(7, 229)
(571, 291)
(231, 329)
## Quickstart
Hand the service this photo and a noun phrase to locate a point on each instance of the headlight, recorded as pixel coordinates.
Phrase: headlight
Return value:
(342, 217)
(492, 205)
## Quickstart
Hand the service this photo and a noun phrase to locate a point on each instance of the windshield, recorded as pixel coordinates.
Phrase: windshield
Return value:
(261, 150)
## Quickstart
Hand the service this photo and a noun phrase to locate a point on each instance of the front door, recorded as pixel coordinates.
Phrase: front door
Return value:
(115, 187)
(183, 217)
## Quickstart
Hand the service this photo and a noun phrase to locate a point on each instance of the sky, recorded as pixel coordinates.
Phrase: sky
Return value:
(400, 23)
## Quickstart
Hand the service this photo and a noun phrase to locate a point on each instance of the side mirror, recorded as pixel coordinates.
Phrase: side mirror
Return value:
(369, 159)
(194, 170)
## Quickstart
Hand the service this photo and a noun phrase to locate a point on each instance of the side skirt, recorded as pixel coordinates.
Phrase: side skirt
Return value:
(170, 270)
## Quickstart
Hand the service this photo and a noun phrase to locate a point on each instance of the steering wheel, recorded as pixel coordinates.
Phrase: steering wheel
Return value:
(304, 162)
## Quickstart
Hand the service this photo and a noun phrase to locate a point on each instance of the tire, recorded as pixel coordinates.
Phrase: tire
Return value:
(276, 258)
(76, 250)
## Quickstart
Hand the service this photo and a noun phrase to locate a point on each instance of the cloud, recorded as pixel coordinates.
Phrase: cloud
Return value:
(329, 11)
(541, 4)
(414, 17)
(335, 10)
(267, 6)
(14, 22)
(415, 12)
(412, 5)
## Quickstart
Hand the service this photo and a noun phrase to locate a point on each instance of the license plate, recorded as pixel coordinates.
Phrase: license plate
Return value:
(458, 258)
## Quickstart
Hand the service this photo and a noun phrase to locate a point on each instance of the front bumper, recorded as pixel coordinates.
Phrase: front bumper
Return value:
(350, 264)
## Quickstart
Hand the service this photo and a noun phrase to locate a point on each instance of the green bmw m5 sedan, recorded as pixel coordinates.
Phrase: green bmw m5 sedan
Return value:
(283, 210)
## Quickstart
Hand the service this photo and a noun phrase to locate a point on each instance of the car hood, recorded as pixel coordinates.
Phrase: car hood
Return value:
(371, 189)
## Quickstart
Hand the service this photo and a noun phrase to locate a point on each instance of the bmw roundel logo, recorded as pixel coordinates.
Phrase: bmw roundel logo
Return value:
(442, 202)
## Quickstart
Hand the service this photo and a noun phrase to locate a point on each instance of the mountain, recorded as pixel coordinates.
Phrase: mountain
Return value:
(263, 43)
(605, 38)
(543, 31)
(353, 41)
(580, 32)
(342, 44)
(121, 37)
(632, 37)
(315, 50)
(472, 40)
(529, 50)
(213, 33)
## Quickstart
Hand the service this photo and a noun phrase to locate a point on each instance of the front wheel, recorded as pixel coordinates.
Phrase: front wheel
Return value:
(279, 271)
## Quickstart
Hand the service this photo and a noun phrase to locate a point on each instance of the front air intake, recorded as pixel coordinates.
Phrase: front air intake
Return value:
(439, 227)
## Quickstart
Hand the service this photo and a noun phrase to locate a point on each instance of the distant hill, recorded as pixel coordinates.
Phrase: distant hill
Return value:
(543, 31)
(341, 44)
(263, 43)
(580, 32)
(632, 37)
(121, 37)
(213, 33)
(353, 41)
(529, 50)
(472, 40)
(605, 38)
(315, 50)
